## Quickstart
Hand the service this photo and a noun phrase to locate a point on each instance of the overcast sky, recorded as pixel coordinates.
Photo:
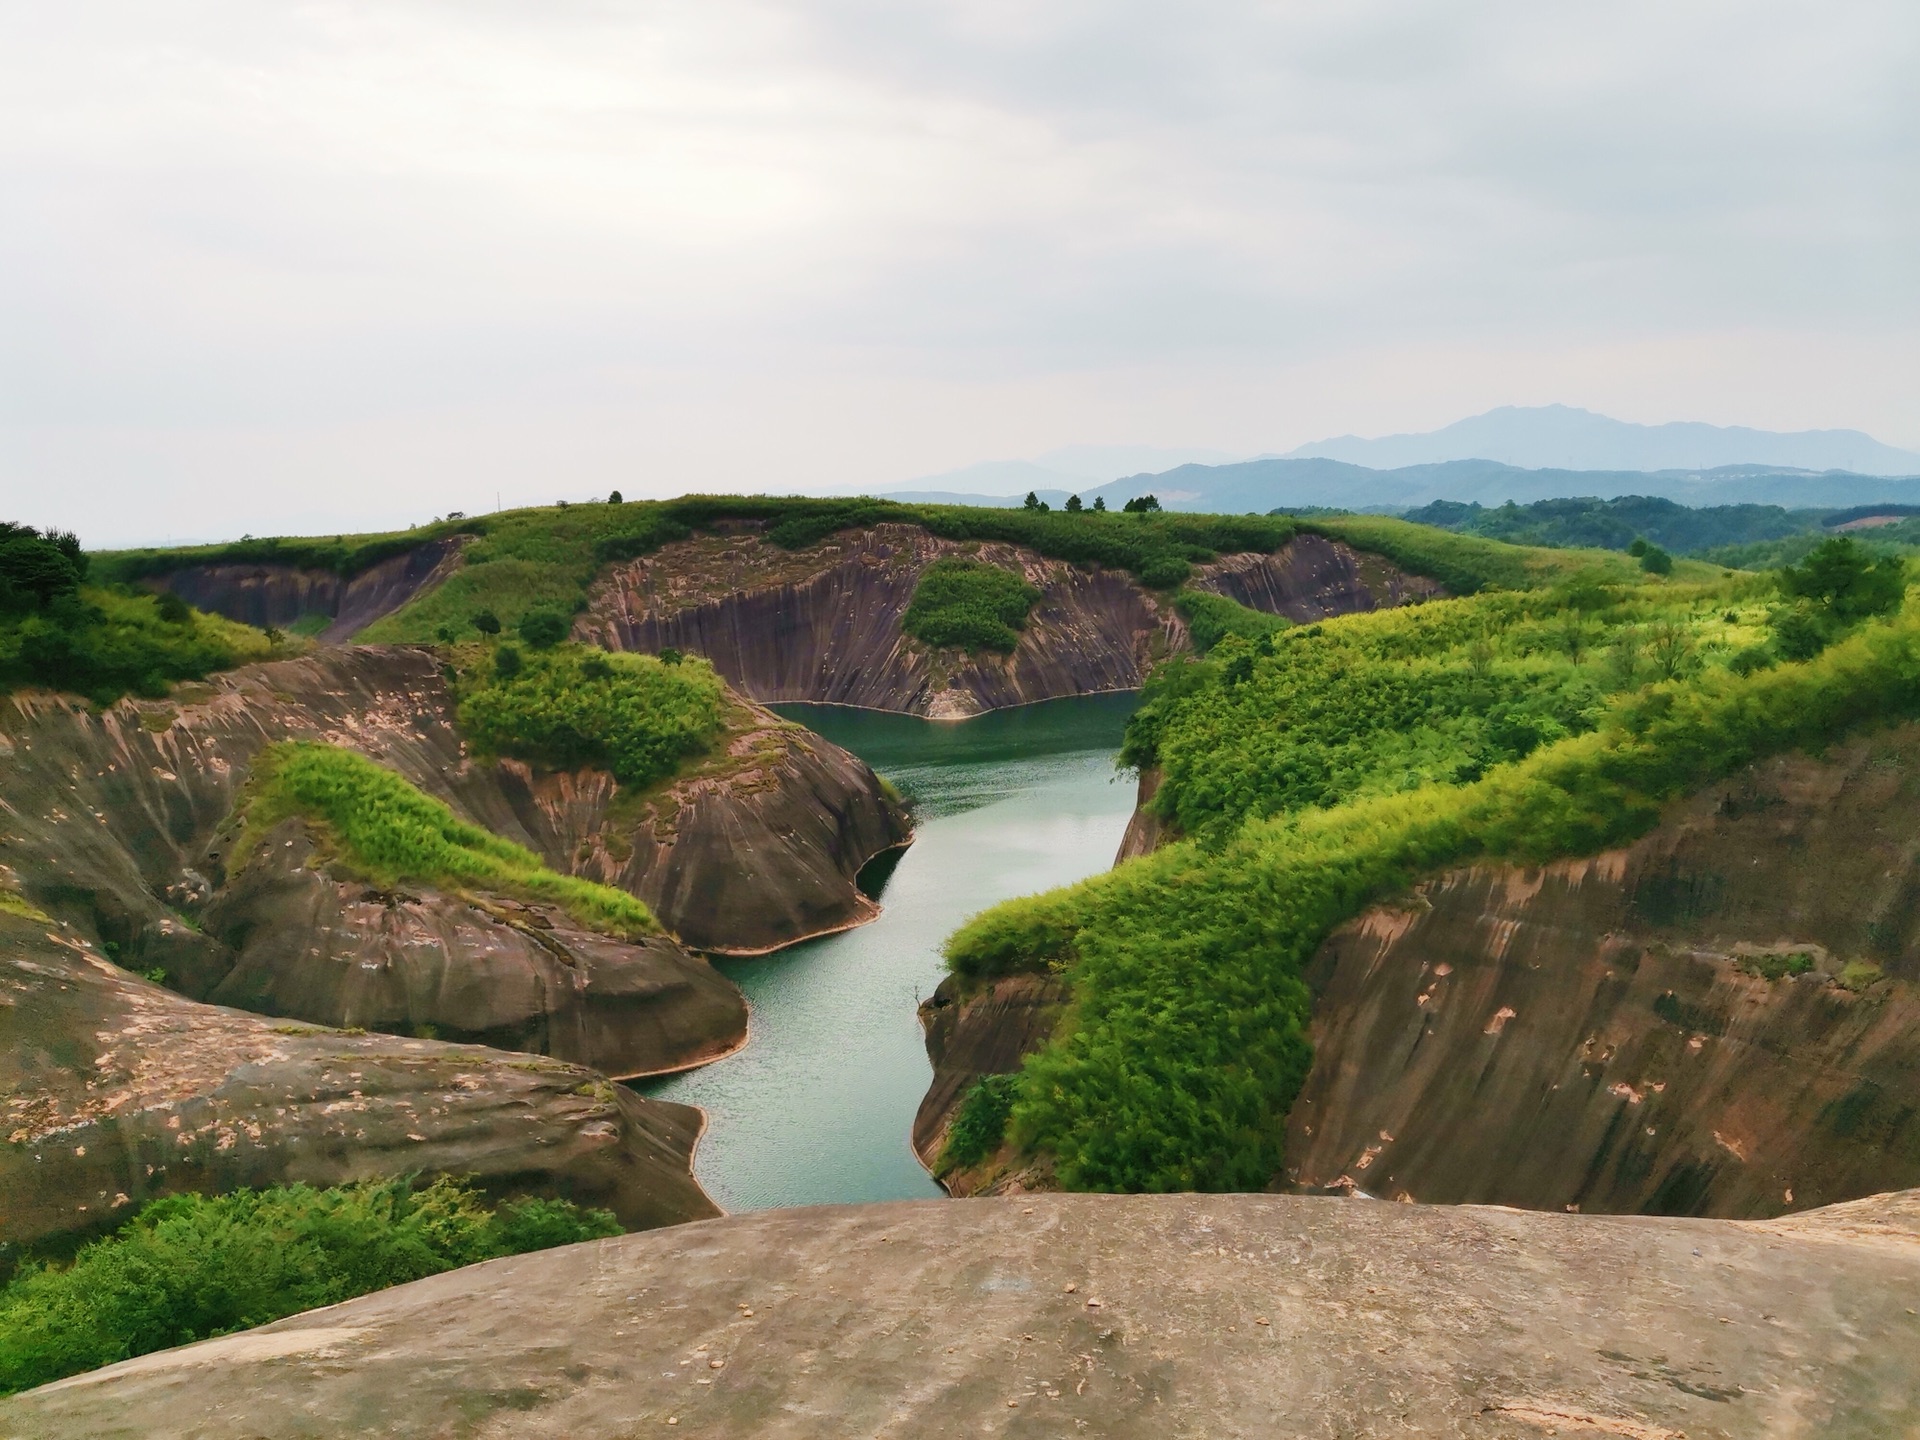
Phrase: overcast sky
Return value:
(277, 266)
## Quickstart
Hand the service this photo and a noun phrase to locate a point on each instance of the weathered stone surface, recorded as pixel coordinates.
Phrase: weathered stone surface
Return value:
(280, 595)
(483, 969)
(1117, 1316)
(969, 1035)
(1592, 1033)
(1145, 833)
(118, 822)
(823, 624)
(114, 1091)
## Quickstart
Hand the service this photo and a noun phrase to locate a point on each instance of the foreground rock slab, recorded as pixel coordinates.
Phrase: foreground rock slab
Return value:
(1061, 1315)
(114, 1091)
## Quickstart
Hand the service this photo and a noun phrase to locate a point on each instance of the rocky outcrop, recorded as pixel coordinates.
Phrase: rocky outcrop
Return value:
(116, 1091)
(1601, 1034)
(118, 821)
(1146, 832)
(283, 595)
(1314, 578)
(988, 1031)
(1142, 1316)
(823, 624)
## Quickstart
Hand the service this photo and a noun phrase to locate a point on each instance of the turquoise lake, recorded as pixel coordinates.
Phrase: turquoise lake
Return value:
(816, 1109)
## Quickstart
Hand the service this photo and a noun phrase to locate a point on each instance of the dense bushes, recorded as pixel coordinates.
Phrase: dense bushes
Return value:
(634, 715)
(189, 1266)
(383, 828)
(969, 606)
(1187, 1043)
(100, 643)
(980, 1125)
(1211, 618)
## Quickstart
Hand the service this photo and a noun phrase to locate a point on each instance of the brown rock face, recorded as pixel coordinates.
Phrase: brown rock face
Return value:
(1145, 833)
(1598, 1033)
(117, 822)
(115, 1091)
(988, 1032)
(279, 595)
(1135, 1317)
(823, 624)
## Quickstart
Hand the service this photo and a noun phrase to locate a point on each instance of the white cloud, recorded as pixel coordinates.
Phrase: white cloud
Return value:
(334, 263)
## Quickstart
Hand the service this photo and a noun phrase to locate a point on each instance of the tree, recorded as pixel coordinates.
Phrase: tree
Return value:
(1839, 577)
(1141, 505)
(486, 622)
(1099, 504)
(614, 499)
(543, 629)
(1032, 502)
(1073, 504)
(1656, 561)
(506, 662)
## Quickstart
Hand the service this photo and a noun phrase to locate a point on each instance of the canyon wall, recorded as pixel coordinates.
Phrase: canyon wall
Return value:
(114, 1091)
(281, 595)
(822, 624)
(120, 821)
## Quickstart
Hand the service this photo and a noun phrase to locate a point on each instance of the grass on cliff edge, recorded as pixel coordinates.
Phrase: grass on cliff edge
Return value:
(969, 605)
(637, 716)
(190, 1267)
(382, 827)
(1315, 793)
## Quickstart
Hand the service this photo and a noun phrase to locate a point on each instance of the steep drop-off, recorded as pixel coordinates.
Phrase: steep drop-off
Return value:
(120, 822)
(1601, 1034)
(283, 595)
(1148, 1316)
(115, 1091)
(822, 624)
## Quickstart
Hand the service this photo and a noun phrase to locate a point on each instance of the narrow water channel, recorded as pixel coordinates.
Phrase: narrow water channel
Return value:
(817, 1108)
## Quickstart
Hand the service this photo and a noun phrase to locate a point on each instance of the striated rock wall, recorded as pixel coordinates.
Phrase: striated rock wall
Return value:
(118, 821)
(1594, 1034)
(1145, 833)
(823, 624)
(1128, 1317)
(263, 595)
(114, 1091)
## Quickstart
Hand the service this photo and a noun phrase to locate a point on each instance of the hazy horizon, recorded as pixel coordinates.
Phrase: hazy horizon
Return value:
(346, 266)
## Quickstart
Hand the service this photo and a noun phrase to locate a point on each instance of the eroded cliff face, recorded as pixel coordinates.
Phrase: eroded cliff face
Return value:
(281, 595)
(119, 822)
(114, 1091)
(1128, 1317)
(1599, 1034)
(823, 624)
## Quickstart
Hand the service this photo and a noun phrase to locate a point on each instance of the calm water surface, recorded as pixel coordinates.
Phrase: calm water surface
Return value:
(817, 1109)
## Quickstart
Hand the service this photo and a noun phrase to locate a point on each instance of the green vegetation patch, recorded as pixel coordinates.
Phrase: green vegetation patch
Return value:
(1211, 618)
(980, 1125)
(967, 605)
(1468, 564)
(1588, 522)
(1776, 966)
(1187, 1040)
(191, 1266)
(382, 827)
(638, 716)
(58, 632)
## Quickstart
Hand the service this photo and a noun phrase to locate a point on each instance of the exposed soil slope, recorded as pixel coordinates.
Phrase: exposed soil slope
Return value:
(119, 821)
(822, 624)
(1599, 1034)
(1148, 1316)
(282, 595)
(1595, 1034)
(116, 1091)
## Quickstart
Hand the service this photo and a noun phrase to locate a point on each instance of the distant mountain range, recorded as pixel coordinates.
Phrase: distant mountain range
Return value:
(1560, 437)
(1513, 453)
(1263, 485)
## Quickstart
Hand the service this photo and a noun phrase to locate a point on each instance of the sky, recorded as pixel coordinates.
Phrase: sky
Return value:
(307, 267)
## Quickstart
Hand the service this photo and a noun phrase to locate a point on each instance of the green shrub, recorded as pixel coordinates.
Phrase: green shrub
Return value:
(1211, 618)
(634, 715)
(544, 628)
(967, 605)
(1187, 1043)
(383, 828)
(191, 1266)
(980, 1125)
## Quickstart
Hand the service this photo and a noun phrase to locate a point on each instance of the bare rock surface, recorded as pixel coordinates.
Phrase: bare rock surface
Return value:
(118, 821)
(988, 1031)
(1153, 1316)
(1601, 1033)
(114, 1091)
(822, 624)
